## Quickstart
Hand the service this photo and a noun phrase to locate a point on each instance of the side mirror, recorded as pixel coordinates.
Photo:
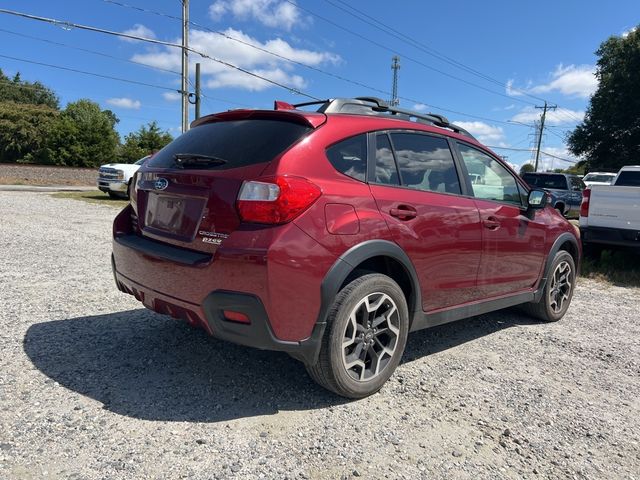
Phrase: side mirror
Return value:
(537, 199)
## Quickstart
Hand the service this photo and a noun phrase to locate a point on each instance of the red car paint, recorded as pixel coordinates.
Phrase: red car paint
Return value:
(464, 250)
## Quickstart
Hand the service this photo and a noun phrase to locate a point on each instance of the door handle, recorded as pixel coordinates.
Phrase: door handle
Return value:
(403, 212)
(492, 223)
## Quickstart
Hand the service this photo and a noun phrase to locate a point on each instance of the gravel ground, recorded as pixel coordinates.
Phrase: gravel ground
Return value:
(94, 387)
(15, 174)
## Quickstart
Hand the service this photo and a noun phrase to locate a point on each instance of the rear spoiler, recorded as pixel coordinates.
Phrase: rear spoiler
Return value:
(310, 119)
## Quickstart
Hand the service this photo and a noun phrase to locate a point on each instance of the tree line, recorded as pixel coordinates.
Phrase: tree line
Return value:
(34, 129)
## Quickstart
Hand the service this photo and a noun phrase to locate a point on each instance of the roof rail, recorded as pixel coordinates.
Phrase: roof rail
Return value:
(378, 107)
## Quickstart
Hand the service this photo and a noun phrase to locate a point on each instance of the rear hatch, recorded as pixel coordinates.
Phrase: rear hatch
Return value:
(186, 194)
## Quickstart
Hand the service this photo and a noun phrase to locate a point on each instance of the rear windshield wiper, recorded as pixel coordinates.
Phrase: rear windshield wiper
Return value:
(197, 160)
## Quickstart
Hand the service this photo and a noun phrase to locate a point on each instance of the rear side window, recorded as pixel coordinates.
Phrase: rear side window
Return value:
(425, 163)
(489, 179)
(350, 157)
(628, 178)
(238, 142)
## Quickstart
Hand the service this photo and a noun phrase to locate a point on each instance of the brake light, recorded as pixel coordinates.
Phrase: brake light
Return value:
(584, 206)
(275, 200)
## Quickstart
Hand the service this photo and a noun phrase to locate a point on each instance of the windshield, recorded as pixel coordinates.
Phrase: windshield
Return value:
(558, 182)
(142, 160)
(598, 177)
(238, 143)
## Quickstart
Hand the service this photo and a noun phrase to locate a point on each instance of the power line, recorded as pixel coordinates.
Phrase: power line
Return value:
(530, 150)
(404, 55)
(339, 77)
(88, 73)
(70, 25)
(423, 47)
(93, 52)
(251, 45)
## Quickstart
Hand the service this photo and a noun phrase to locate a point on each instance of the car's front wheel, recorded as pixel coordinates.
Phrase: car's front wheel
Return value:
(366, 334)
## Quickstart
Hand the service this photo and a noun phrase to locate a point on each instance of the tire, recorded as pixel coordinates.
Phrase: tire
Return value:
(114, 195)
(558, 291)
(359, 350)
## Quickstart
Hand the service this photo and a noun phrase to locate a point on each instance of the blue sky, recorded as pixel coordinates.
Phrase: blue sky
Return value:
(517, 51)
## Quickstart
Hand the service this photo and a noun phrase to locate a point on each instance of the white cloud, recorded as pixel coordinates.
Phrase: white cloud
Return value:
(138, 30)
(218, 75)
(571, 80)
(557, 116)
(171, 96)
(626, 33)
(484, 132)
(271, 13)
(124, 102)
(420, 107)
(235, 78)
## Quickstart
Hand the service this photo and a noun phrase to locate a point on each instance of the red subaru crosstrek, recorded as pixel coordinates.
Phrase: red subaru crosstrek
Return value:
(332, 234)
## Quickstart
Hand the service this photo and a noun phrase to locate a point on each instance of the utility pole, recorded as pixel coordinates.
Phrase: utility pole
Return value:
(198, 94)
(185, 65)
(395, 66)
(544, 115)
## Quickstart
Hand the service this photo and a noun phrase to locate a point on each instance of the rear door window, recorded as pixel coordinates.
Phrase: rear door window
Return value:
(239, 142)
(425, 163)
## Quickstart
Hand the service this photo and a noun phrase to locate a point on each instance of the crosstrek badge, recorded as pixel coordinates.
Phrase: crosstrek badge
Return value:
(212, 237)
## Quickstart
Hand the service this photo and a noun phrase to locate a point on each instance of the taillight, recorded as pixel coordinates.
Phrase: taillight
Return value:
(584, 206)
(275, 200)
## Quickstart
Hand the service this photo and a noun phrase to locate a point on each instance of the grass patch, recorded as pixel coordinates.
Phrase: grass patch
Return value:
(618, 267)
(93, 197)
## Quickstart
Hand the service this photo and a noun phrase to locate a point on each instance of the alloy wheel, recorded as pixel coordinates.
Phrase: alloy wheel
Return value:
(370, 336)
(560, 288)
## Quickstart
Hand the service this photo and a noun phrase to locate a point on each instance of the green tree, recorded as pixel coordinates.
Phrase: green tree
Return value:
(148, 139)
(609, 136)
(83, 136)
(526, 168)
(24, 129)
(19, 91)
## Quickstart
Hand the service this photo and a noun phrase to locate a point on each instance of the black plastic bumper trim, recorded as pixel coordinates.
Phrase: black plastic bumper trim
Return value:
(164, 251)
(258, 333)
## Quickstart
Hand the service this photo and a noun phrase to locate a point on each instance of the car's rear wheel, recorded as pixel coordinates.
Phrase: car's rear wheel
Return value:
(365, 337)
(558, 290)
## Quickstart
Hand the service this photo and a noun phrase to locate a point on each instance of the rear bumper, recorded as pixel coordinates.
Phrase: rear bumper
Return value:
(210, 316)
(616, 237)
(276, 283)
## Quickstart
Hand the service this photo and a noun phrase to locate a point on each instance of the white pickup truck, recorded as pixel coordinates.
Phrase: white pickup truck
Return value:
(115, 178)
(610, 214)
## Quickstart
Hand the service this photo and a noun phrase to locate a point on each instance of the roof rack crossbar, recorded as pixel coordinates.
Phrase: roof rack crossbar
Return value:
(376, 106)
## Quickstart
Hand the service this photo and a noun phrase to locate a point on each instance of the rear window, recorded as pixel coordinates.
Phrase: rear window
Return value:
(628, 179)
(559, 182)
(594, 177)
(238, 142)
